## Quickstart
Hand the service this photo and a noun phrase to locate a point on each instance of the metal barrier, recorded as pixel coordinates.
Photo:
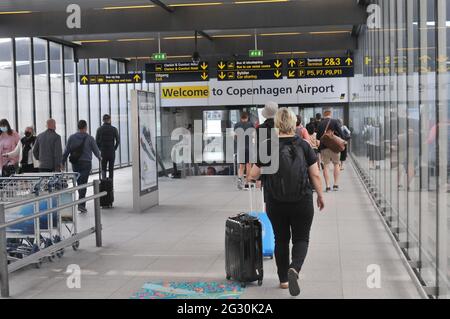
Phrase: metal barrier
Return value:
(5, 269)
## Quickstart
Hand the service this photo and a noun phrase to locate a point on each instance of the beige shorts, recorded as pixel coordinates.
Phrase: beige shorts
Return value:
(328, 156)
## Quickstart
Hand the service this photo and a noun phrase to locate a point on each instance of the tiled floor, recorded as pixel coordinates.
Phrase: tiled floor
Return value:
(183, 239)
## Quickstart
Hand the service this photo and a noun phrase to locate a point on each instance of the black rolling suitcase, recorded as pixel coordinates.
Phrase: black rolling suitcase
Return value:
(106, 185)
(243, 249)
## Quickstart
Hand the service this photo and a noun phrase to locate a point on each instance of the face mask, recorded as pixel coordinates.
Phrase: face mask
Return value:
(27, 134)
(3, 129)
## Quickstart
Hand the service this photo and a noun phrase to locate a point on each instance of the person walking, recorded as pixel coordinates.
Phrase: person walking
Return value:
(264, 130)
(48, 149)
(346, 136)
(289, 198)
(301, 130)
(243, 151)
(8, 142)
(23, 150)
(108, 141)
(327, 155)
(80, 147)
(311, 127)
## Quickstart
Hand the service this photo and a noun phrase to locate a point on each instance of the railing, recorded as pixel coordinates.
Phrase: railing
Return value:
(5, 269)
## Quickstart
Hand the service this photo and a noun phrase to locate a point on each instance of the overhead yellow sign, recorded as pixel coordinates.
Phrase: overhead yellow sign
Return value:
(185, 92)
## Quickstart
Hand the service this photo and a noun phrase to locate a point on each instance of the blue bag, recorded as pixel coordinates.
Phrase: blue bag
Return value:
(257, 210)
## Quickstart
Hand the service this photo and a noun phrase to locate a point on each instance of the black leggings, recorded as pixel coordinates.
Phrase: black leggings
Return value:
(287, 218)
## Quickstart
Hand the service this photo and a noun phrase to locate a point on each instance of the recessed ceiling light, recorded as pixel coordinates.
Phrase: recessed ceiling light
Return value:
(279, 34)
(198, 4)
(135, 39)
(91, 41)
(187, 37)
(291, 52)
(129, 7)
(15, 12)
(259, 1)
(329, 32)
(231, 36)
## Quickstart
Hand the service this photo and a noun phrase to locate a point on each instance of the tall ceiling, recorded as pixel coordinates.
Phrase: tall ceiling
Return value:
(135, 29)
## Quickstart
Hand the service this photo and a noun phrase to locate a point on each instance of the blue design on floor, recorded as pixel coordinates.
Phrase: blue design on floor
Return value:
(189, 290)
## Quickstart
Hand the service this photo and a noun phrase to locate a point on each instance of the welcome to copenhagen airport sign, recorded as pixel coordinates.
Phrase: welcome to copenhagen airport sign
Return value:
(287, 91)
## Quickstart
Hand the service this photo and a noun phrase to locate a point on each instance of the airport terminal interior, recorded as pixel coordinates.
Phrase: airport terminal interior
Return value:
(170, 69)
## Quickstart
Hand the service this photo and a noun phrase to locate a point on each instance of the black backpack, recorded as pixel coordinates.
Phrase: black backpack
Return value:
(76, 153)
(290, 182)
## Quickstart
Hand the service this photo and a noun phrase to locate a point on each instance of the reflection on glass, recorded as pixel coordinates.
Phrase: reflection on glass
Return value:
(24, 84)
(7, 81)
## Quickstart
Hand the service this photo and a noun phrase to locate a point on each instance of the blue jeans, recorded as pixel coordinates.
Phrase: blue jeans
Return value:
(84, 169)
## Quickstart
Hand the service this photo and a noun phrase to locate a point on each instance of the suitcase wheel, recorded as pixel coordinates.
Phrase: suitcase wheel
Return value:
(260, 282)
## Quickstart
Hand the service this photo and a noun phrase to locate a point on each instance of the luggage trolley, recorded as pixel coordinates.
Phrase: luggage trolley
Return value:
(28, 237)
(65, 217)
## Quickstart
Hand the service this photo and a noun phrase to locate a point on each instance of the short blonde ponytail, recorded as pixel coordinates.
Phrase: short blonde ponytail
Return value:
(285, 121)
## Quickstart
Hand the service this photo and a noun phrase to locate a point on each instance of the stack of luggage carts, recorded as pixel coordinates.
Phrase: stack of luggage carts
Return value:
(31, 236)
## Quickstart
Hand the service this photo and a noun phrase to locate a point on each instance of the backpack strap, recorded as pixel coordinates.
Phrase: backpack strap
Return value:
(328, 125)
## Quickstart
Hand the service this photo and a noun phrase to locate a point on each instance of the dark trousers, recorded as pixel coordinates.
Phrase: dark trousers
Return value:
(84, 169)
(46, 170)
(27, 168)
(290, 220)
(108, 161)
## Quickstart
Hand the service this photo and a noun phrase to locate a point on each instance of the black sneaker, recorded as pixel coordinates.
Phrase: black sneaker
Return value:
(294, 288)
(336, 188)
(328, 189)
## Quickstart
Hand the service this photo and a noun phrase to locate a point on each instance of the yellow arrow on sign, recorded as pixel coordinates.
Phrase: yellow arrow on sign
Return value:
(84, 79)
(204, 76)
(277, 63)
(137, 77)
(222, 75)
(291, 73)
(277, 74)
(204, 66)
(291, 63)
(221, 65)
(349, 61)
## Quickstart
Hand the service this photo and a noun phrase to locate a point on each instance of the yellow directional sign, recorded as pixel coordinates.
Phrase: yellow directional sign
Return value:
(111, 78)
(277, 74)
(177, 71)
(250, 70)
(367, 60)
(221, 65)
(204, 66)
(278, 63)
(222, 75)
(321, 67)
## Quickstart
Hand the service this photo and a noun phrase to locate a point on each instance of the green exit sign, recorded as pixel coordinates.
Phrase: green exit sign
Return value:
(159, 56)
(255, 53)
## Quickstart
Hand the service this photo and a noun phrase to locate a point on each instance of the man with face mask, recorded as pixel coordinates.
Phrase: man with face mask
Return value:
(27, 162)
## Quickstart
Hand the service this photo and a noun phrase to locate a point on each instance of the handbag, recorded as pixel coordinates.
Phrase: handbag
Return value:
(8, 170)
(331, 141)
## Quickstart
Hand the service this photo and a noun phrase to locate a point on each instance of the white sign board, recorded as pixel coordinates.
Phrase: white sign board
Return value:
(286, 91)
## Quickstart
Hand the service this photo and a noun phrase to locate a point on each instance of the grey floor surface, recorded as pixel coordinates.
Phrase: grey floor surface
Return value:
(183, 239)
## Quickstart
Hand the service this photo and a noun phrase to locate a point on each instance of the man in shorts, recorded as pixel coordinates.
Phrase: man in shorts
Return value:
(328, 156)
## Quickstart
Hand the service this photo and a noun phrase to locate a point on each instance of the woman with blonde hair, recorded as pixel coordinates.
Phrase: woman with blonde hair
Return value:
(289, 198)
